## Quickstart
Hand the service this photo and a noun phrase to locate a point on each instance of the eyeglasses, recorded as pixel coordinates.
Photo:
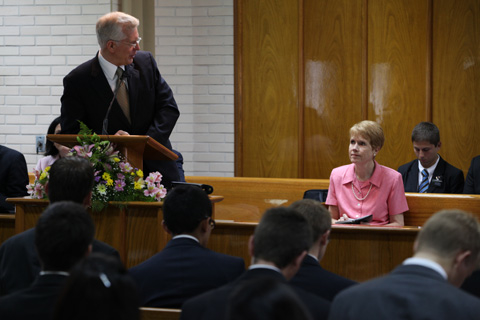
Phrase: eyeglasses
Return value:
(131, 44)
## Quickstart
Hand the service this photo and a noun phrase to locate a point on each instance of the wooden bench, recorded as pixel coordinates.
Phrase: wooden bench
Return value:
(159, 314)
(245, 199)
(356, 252)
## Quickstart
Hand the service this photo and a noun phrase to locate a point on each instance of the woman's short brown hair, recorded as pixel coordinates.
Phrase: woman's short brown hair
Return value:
(370, 130)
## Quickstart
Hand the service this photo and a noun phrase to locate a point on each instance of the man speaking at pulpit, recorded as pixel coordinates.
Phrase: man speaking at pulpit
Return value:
(120, 91)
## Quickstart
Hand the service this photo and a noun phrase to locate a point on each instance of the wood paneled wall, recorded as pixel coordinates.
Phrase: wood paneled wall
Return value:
(307, 70)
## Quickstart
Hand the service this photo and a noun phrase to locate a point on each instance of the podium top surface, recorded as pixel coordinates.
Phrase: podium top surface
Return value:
(149, 147)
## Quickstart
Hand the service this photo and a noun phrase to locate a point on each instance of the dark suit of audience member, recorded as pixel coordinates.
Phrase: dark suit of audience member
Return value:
(13, 177)
(278, 246)
(447, 249)
(88, 91)
(311, 276)
(71, 178)
(446, 178)
(19, 264)
(63, 236)
(429, 172)
(472, 182)
(185, 267)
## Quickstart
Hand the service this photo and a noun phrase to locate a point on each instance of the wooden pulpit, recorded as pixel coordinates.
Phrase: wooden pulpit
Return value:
(135, 148)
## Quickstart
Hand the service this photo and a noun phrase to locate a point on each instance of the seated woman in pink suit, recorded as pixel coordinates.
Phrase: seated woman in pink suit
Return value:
(364, 187)
(53, 151)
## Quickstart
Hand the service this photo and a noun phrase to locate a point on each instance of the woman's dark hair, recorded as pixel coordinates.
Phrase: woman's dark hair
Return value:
(98, 288)
(50, 149)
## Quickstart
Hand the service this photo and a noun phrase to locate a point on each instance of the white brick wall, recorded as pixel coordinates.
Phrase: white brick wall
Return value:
(194, 47)
(42, 40)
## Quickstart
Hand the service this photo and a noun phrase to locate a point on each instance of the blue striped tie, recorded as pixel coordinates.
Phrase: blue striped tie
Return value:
(424, 184)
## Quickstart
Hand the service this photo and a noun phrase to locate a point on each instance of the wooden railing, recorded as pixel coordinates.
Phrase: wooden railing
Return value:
(247, 198)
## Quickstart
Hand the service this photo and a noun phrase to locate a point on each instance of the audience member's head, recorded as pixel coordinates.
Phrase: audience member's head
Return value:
(63, 235)
(320, 221)
(265, 299)
(114, 26)
(371, 131)
(71, 178)
(426, 143)
(98, 288)
(186, 209)
(452, 239)
(282, 238)
(426, 132)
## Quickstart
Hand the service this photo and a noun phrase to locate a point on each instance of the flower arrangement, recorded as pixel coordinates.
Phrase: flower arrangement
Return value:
(115, 178)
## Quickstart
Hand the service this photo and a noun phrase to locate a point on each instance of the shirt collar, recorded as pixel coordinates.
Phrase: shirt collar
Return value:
(109, 69)
(311, 255)
(264, 266)
(185, 236)
(431, 169)
(61, 273)
(427, 264)
(375, 179)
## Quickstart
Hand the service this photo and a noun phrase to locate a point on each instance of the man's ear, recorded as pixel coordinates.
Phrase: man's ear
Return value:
(89, 250)
(324, 238)
(251, 249)
(87, 202)
(297, 262)
(164, 225)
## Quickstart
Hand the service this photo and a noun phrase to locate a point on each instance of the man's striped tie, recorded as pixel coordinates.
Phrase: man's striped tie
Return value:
(424, 184)
(122, 94)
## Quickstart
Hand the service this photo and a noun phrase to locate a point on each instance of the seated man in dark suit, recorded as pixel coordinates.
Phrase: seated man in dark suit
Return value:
(278, 246)
(446, 251)
(71, 179)
(311, 276)
(185, 267)
(472, 182)
(63, 236)
(429, 172)
(13, 177)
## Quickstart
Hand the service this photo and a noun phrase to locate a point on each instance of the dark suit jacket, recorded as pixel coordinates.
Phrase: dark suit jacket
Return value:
(183, 269)
(409, 292)
(448, 178)
(313, 278)
(19, 264)
(472, 182)
(13, 177)
(36, 302)
(472, 284)
(153, 109)
(212, 305)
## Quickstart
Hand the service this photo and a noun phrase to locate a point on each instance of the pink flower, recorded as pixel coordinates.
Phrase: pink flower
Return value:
(119, 185)
(154, 177)
(162, 192)
(84, 151)
(151, 191)
(125, 167)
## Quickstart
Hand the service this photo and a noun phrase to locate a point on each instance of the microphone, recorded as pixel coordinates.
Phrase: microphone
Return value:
(105, 120)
